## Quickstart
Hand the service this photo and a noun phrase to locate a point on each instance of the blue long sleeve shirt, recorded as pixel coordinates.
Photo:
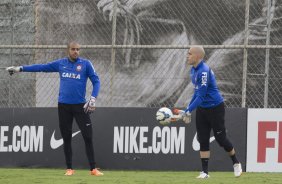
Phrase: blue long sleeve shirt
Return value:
(73, 78)
(206, 92)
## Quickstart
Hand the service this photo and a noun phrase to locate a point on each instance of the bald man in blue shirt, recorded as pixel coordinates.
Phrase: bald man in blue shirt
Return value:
(210, 111)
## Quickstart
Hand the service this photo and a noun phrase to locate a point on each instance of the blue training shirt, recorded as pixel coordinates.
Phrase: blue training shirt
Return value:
(73, 78)
(206, 92)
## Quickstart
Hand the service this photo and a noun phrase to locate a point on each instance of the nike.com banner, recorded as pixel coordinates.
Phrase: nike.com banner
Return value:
(124, 138)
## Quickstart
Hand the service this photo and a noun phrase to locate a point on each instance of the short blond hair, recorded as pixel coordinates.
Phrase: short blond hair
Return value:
(200, 50)
(72, 43)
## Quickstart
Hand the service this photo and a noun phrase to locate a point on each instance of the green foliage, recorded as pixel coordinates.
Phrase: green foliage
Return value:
(56, 176)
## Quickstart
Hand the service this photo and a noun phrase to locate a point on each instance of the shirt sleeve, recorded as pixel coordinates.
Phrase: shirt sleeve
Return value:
(202, 85)
(94, 78)
(48, 67)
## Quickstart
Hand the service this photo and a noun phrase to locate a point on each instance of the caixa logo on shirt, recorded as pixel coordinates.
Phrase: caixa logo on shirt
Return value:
(70, 75)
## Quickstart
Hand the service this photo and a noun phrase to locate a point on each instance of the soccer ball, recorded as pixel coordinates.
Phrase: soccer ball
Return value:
(164, 115)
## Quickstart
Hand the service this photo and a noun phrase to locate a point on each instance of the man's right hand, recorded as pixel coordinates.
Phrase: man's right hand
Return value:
(14, 69)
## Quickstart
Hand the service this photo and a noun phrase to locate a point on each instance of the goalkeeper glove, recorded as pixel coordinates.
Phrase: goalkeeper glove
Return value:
(90, 105)
(185, 116)
(14, 69)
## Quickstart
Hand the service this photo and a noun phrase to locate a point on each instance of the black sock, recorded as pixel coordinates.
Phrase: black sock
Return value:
(92, 166)
(69, 166)
(205, 165)
(234, 159)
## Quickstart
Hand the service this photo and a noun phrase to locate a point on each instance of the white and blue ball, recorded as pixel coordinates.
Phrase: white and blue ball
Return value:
(164, 115)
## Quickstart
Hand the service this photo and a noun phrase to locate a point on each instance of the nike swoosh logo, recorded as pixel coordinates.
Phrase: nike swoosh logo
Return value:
(219, 132)
(196, 144)
(55, 143)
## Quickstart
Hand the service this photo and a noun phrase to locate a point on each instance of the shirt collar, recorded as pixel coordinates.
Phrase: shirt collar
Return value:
(199, 65)
(77, 59)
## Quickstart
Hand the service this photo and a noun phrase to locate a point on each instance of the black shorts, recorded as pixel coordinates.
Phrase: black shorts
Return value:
(208, 119)
(69, 112)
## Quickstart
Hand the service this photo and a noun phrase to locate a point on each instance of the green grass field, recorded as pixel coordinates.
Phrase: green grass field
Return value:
(56, 176)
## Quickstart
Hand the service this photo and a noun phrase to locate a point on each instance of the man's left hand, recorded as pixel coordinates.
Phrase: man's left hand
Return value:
(90, 105)
(187, 117)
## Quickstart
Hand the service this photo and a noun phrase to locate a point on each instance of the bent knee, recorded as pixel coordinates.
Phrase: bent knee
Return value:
(204, 146)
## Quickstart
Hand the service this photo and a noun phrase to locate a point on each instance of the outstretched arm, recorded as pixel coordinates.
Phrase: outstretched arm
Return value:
(49, 67)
